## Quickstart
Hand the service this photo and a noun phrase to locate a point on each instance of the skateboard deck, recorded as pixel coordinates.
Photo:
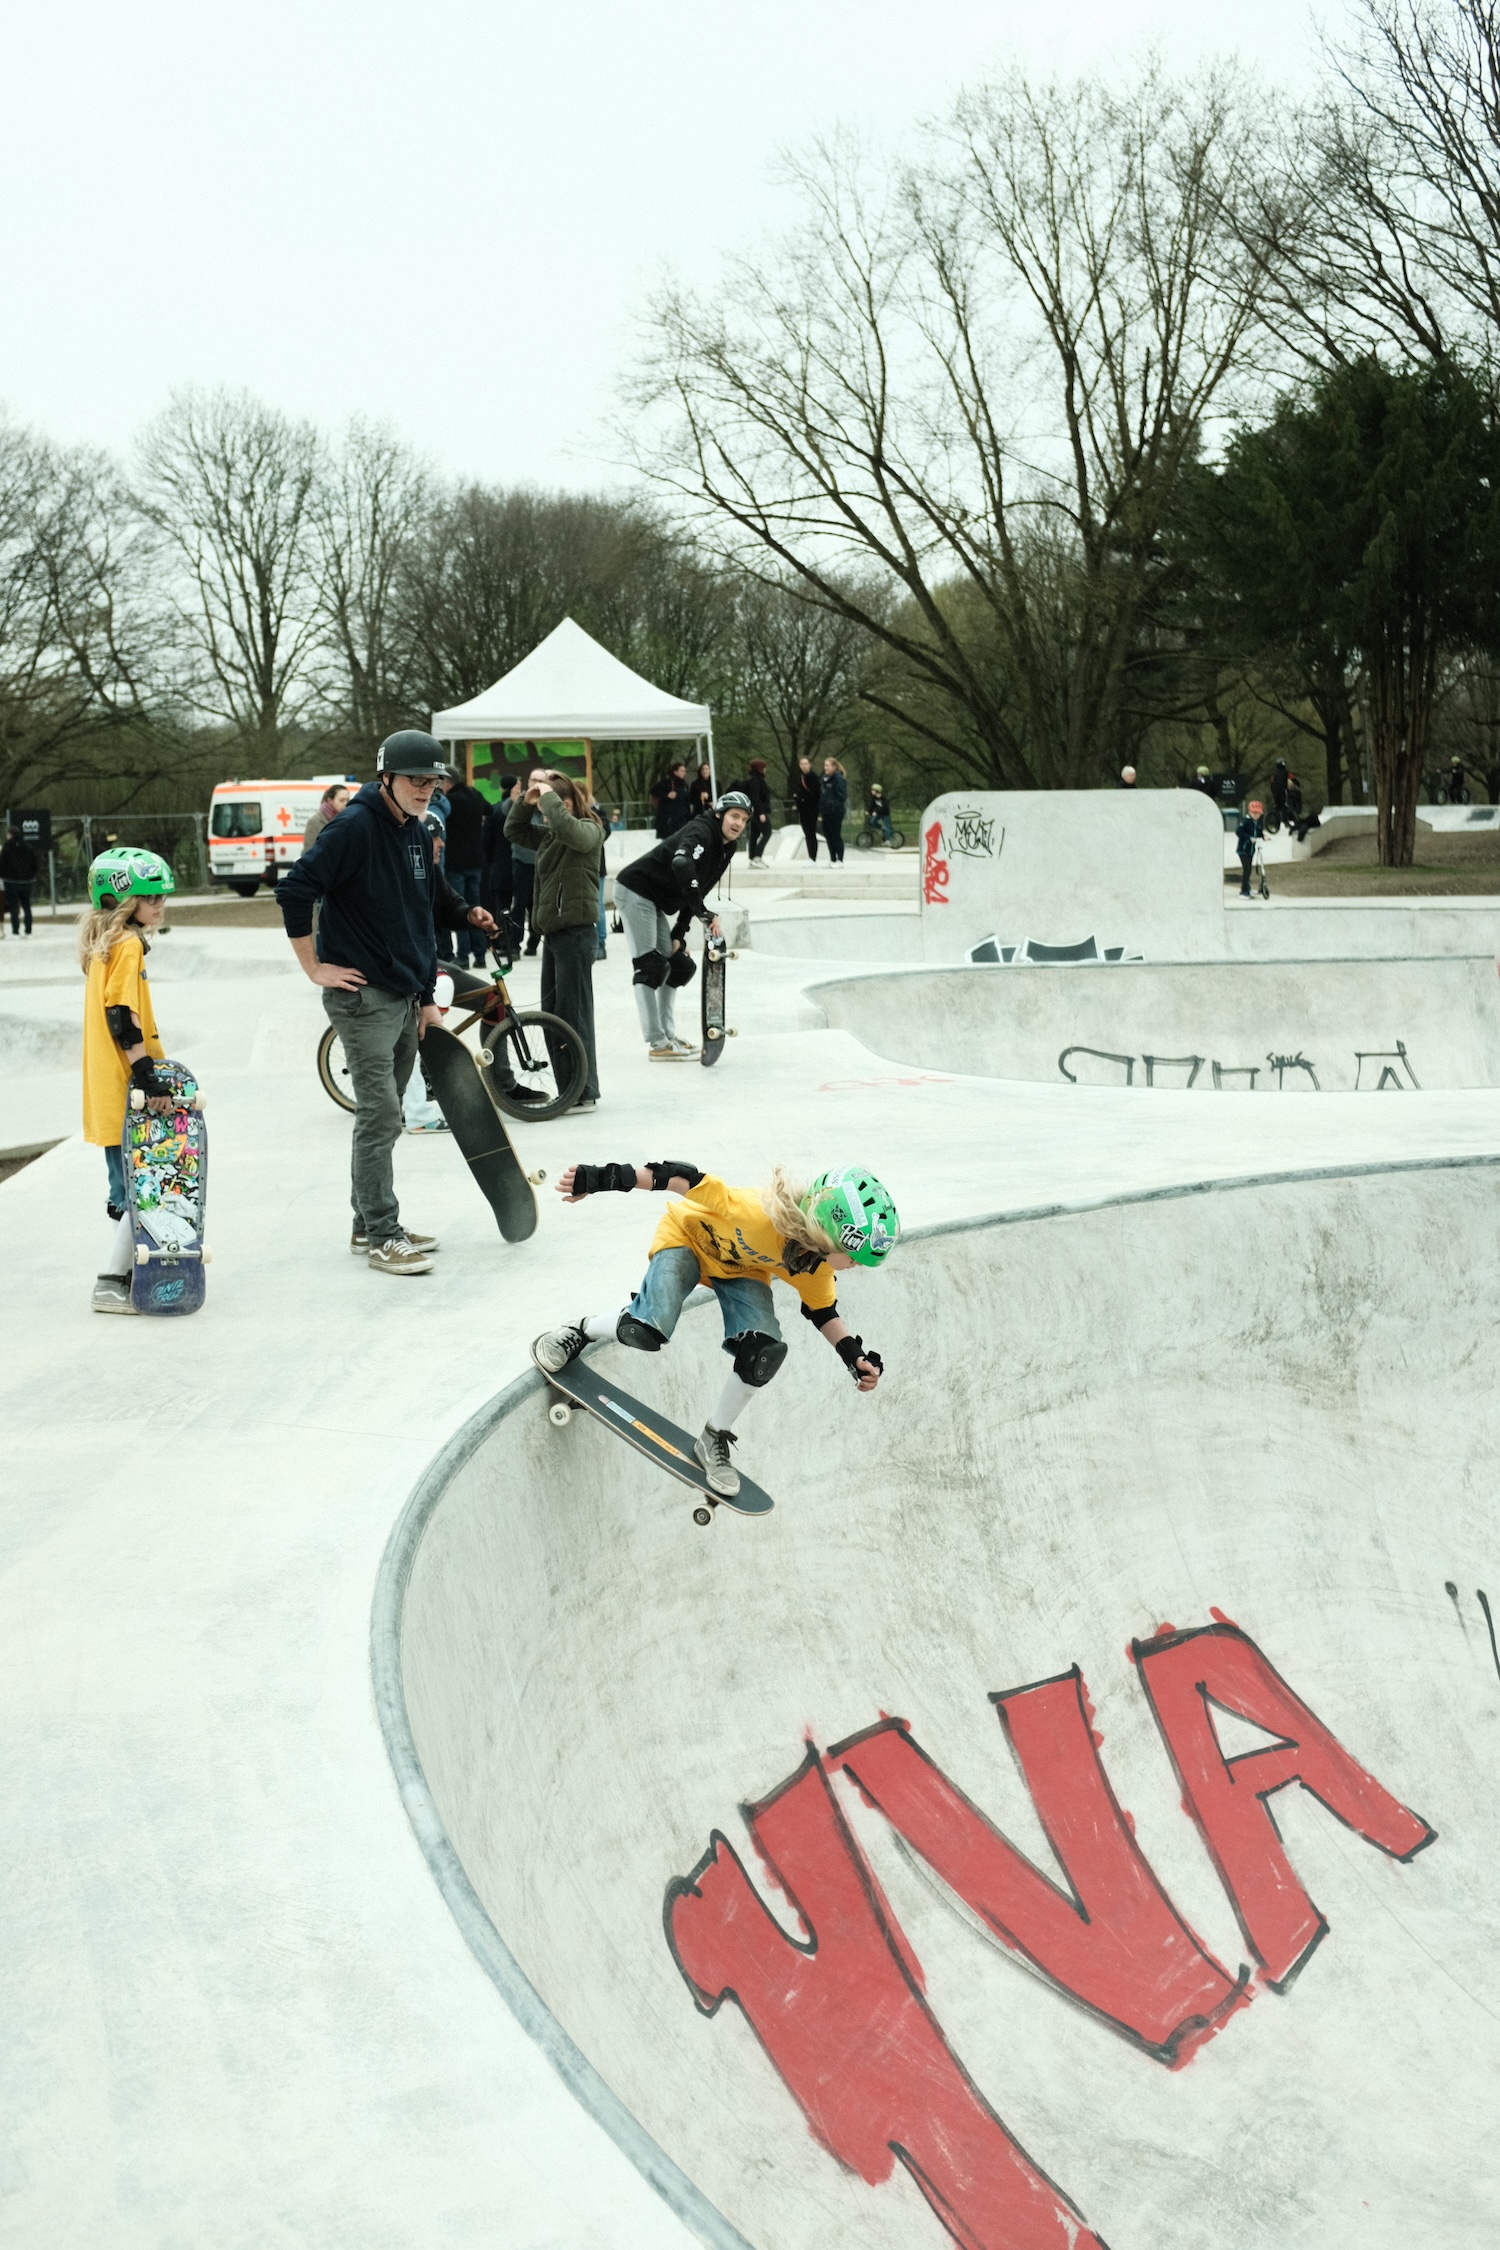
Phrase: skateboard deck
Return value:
(715, 953)
(651, 1434)
(479, 1130)
(166, 1189)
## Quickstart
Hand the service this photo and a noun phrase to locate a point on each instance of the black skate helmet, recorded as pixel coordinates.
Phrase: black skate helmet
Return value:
(412, 752)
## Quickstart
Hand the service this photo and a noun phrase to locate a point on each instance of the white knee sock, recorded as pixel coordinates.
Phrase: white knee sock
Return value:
(122, 1249)
(733, 1400)
(600, 1327)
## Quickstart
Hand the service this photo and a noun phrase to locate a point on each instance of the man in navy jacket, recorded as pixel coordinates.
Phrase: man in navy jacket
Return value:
(381, 902)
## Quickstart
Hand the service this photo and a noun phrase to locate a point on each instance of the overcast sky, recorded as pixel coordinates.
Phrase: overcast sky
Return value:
(446, 214)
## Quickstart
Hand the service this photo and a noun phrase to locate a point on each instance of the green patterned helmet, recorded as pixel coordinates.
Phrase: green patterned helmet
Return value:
(127, 873)
(855, 1213)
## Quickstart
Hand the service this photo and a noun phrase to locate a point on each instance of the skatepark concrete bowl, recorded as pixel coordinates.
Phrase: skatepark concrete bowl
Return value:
(1242, 1026)
(1104, 1434)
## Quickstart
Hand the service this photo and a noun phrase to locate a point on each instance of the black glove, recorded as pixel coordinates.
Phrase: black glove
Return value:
(682, 968)
(673, 1169)
(603, 1179)
(851, 1350)
(145, 1081)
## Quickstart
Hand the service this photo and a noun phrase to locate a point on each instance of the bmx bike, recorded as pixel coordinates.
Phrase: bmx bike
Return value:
(870, 833)
(535, 1065)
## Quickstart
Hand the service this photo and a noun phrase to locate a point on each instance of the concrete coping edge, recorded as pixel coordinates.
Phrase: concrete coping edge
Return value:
(489, 1948)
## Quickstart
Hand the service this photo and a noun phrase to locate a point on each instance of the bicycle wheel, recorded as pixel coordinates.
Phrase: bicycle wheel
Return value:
(864, 838)
(546, 1057)
(333, 1070)
(898, 838)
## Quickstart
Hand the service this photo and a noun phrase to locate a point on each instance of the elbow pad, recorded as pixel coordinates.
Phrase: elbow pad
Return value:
(851, 1350)
(122, 1027)
(603, 1179)
(672, 1169)
(820, 1315)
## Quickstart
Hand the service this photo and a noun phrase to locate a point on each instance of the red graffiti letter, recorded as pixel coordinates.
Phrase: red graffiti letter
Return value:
(1118, 1943)
(1182, 1674)
(844, 2023)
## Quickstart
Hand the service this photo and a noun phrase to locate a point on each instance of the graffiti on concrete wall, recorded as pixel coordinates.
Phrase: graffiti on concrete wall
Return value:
(841, 2011)
(1374, 1071)
(967, 833)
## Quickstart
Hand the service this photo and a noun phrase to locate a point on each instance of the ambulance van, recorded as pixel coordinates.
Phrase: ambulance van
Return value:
(255, 828)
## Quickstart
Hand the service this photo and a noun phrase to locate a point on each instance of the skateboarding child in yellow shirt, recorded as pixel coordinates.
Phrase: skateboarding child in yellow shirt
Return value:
(738, 1242)
(128, 891)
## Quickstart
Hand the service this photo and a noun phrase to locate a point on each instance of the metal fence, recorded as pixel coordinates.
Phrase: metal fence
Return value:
(77, 838)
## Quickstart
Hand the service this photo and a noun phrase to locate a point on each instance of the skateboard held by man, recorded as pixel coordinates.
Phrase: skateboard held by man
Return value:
(165, 1154)
(477, 1126)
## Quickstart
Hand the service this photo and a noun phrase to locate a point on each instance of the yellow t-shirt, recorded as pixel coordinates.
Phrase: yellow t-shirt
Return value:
(733, 1240)
(117, 981)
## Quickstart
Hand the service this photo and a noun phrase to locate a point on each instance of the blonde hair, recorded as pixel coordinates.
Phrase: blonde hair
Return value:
(102, 927)
(781, 1200)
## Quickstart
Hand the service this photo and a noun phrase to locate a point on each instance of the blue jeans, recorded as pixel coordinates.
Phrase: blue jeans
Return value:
(116, 1164)
(745, 1307)
(601, 927)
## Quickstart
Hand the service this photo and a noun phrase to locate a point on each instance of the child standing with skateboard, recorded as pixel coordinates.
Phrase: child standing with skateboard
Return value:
(738, 1243)
(128, 891)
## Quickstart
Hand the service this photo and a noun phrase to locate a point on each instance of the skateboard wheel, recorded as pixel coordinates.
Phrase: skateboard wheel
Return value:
(716, 1035)
(208, 1257)
(536, 1178)
(142, 1254)
(703, 1515)
(485, 1059)
(560, 1414)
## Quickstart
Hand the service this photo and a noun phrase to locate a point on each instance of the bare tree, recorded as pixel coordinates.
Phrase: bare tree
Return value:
(1398, 169)
(369, 508)
(231, 485)
(83, 640)
(1008, 349)
(803, 669)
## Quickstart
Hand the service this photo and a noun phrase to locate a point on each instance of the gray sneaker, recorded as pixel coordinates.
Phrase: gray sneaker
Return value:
(112, 1293)
(399, 1255)
(684, 1046)
(557, 1348)
(712, 1449)
(359, 1242)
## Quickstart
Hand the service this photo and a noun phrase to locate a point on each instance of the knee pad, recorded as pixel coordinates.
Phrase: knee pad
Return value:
(638, 1334)
(682, 968)
(756, 1357)
(650, 969)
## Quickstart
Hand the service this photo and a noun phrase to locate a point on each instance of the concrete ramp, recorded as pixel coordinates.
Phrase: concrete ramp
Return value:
(1244, 1026)
(1069, 1819)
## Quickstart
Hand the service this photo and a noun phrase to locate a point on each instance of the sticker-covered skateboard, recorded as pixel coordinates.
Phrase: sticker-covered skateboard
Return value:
(166, 1188)
(715, 954)
(650, 1433)
(479, 1130)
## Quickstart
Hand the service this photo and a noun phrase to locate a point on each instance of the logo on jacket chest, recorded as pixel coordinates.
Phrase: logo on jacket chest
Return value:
(418, 859)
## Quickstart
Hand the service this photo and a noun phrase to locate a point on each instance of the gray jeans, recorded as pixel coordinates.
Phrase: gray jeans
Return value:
(378, 1032)
(648, 930)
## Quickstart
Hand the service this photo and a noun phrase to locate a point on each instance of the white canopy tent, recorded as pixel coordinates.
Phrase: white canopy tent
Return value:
(569, 689)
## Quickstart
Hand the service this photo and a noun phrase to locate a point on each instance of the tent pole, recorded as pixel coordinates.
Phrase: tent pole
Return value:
(588, 767)
(713, 778)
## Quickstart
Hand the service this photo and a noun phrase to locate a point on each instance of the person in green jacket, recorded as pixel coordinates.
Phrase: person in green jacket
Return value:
(565, 901)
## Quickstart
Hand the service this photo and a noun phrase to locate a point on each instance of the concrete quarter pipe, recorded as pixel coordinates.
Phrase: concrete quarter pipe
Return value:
(1069, 1818)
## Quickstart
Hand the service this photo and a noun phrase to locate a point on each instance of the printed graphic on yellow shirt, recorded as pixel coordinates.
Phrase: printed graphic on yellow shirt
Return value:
(731, 1237)
(117, 981)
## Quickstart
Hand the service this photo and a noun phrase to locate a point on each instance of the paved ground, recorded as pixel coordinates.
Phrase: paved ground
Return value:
(238, 2008)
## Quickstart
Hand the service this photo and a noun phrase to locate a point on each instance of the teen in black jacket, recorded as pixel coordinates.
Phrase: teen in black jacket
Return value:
(658, 895)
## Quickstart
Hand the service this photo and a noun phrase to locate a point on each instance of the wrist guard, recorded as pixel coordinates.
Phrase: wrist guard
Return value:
(145, 1081)
(851, 1350)
(603, 1179)
(122, 1026)
(672, 1168)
